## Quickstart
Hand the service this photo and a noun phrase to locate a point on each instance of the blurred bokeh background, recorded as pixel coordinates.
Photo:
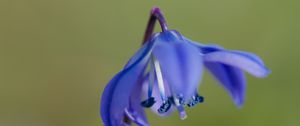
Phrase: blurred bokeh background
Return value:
(56, 56)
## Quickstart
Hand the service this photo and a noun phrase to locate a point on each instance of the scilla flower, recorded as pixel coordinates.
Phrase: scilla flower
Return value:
(165, 73)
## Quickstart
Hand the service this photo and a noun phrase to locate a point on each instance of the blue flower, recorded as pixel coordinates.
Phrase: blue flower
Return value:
(165, 73)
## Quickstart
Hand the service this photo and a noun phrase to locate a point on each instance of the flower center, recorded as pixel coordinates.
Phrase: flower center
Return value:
(156, 77)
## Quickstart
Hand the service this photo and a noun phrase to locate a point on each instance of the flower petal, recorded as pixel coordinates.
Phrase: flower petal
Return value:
(181, 66)
(230, 74)
(249, 55)
(242, 61)
(135, 110)
(115, 97)
(204, 49)
(231, 78)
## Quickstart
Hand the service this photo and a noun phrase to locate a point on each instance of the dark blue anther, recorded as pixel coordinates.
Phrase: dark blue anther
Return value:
(198, 99)
(148, 103)
(181, 101)
(165, 106)
(171, 99)
(191, 104)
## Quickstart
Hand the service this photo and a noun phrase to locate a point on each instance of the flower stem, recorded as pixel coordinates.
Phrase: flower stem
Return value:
(155, 14)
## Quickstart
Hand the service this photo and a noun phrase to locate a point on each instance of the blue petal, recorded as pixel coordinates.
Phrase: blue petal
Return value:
(181, 66)
(250, 56)
(204, 49)
(244, 61)
(231, 78)
(135, 110)
(115, 97)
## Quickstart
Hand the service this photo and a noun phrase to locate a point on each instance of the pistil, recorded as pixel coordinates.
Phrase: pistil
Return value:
(179, 103)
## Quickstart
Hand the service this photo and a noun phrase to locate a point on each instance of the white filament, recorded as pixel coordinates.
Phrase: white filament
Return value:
(160, 80)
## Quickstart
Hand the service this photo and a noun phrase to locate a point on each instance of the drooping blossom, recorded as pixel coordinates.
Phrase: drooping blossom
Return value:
(165, 73)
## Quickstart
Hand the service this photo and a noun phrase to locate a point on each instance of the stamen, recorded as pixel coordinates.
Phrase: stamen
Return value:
(151, 100)
(181, 100)
(155, 69)
(166, 101)
(148, 103)
(160, 80)
(165, 106)
(151, 77)
(195, 100)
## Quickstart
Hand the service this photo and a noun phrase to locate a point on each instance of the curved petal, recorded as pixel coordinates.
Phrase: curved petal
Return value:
(204, 49)
(249, 55)
(135, 110)
(115, 97)
(181, 66)
(241, 61)
(228, 75)
(231, 78)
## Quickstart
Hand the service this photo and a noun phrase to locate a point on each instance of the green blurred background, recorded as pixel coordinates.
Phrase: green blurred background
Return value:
(57, 56)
